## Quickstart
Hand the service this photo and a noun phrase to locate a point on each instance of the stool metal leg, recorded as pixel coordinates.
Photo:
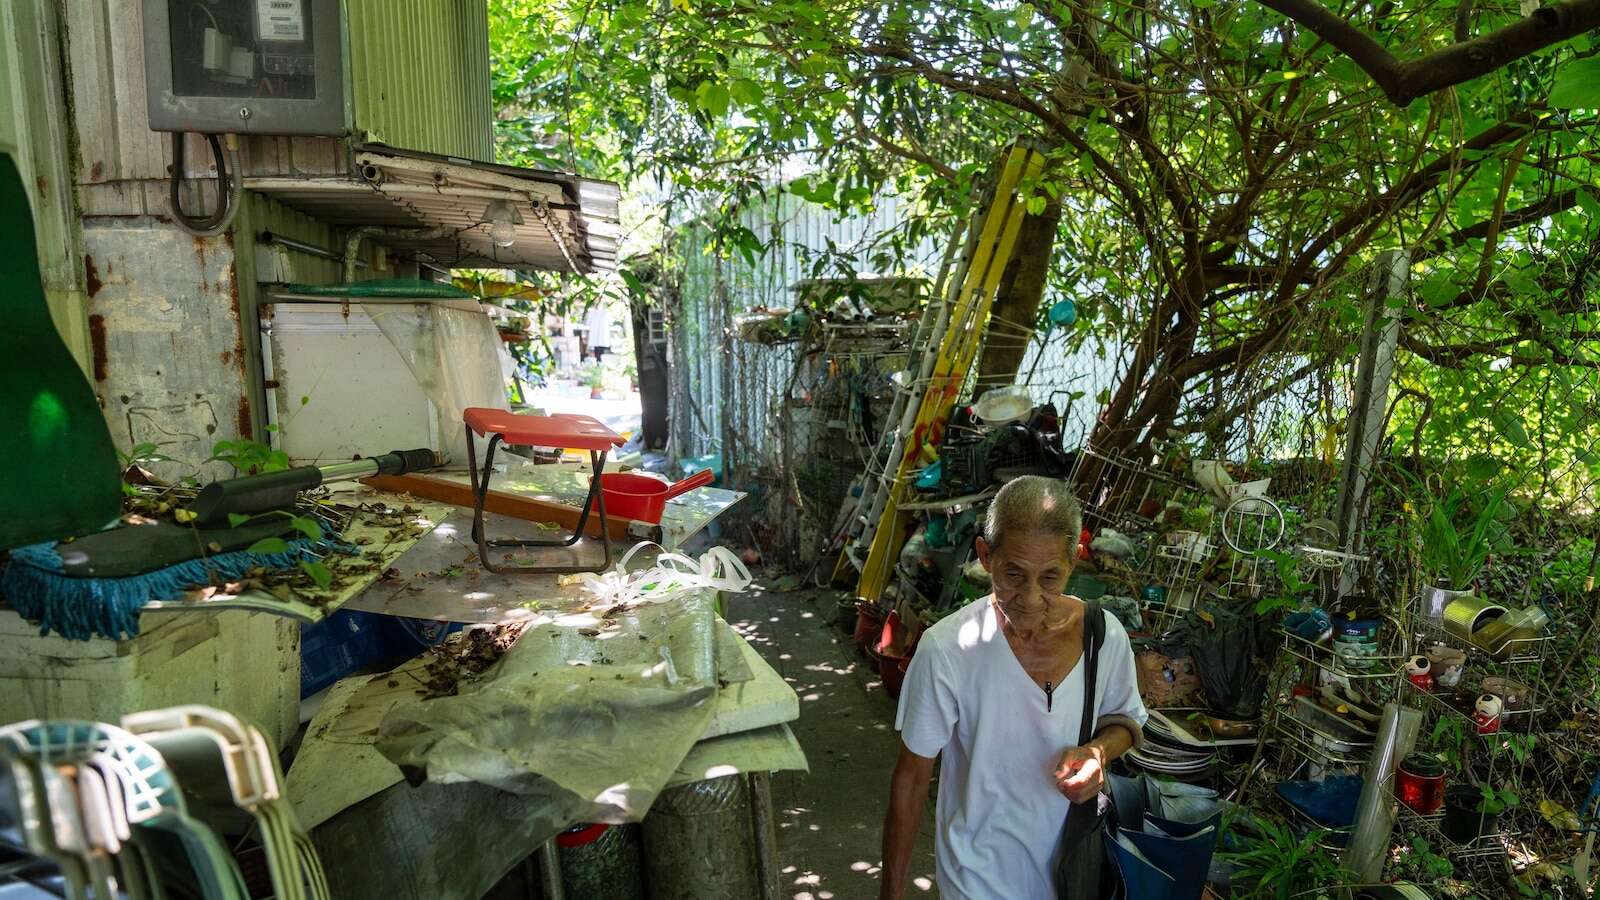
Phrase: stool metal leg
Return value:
(480, 493)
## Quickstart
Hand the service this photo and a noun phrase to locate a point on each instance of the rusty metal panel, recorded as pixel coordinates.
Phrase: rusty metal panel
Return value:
(169, 347)
(419, 75)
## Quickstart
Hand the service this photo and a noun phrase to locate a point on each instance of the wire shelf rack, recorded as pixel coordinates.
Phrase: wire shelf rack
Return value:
(1508, 717)
(1124, 492)
(1517, 652)
(1323, 656)
(1315, 746)
(1489, 845)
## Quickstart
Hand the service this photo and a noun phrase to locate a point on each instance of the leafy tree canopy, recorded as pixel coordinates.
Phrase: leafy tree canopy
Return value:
(1229, 178)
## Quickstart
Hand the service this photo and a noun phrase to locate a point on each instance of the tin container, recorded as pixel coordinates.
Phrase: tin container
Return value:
(1465, 615)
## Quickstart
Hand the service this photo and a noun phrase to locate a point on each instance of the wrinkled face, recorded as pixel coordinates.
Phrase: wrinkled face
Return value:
(1029, 570)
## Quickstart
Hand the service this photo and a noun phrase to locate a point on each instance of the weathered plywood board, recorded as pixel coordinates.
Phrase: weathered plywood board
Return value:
(246, 663)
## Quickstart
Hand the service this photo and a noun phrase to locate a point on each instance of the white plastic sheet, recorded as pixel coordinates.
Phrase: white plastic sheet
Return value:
(454, 354)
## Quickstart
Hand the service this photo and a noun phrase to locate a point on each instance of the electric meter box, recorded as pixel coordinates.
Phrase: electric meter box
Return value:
(245, 66)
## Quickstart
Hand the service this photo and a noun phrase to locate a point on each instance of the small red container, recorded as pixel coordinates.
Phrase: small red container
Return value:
(643, 498)
(1423, 681)
(892, 670)
(869, 626)
(1419, 783)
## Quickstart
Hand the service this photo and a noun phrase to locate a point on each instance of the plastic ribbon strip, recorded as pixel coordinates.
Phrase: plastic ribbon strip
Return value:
(672, 576)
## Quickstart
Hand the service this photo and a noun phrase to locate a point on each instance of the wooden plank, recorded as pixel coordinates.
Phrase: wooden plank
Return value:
(430, 487)
(92, 101)
(141, 153)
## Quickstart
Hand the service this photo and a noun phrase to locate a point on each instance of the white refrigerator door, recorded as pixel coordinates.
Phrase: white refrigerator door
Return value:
(342, 389)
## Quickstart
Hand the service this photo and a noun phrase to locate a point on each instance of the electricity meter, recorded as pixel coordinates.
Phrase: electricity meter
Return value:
(245, 66)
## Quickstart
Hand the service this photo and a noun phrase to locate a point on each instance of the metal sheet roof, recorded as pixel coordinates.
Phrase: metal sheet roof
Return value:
(568, 223)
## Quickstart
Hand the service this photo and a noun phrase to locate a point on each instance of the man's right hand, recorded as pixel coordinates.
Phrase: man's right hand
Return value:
(908, 796)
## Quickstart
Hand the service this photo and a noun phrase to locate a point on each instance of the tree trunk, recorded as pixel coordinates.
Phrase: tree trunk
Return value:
(1016, 305)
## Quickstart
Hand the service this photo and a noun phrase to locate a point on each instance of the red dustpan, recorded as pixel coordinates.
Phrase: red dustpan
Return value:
(642, 498)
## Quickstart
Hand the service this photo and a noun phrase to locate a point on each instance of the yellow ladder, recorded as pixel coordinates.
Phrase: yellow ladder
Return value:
(1001, 222)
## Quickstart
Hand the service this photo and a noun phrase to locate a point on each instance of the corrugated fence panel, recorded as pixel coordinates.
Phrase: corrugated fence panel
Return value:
(760, 373)
(419, 72)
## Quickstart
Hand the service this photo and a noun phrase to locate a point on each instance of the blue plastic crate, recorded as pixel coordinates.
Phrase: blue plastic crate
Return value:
(349, 641)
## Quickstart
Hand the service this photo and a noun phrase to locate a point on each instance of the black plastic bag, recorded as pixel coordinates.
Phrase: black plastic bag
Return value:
(1232, 655)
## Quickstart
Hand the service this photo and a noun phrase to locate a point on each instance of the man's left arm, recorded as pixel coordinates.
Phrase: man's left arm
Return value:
(1119, 726)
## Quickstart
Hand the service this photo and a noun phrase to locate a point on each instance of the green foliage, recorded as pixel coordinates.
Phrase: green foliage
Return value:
(1577, 85)
(269, 545)
(1447, 738)
(1229, 180)
(1493, 801)
(249, 457)
(1277, 864)
(1459, 530)
(1520, 747)
(1198, 518)
(317, 572)
(143, 454)
(1293, 588)
(1419, 863)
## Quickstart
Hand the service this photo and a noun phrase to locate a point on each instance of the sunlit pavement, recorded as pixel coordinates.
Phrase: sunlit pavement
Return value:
(620, 412)
(830, 820)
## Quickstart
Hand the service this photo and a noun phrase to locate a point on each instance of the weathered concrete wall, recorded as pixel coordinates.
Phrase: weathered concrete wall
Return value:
(169, 358)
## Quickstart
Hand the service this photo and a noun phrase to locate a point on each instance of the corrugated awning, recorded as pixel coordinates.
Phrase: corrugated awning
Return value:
(568, 224)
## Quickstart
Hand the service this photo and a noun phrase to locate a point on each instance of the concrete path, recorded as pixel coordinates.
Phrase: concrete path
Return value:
(830, 820)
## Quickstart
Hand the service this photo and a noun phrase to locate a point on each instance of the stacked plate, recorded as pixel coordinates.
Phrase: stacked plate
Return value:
(1170, 750)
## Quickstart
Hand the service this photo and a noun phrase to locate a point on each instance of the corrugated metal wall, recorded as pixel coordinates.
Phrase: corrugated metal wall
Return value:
(711, 372)
(757, 375)
(419, 72)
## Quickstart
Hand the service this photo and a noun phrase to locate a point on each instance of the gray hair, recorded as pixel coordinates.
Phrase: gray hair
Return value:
(1034, 504)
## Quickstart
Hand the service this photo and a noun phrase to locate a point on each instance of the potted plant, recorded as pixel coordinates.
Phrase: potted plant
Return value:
(1457, 538)
(1472, 811)
(1192, 540)
(595, 377)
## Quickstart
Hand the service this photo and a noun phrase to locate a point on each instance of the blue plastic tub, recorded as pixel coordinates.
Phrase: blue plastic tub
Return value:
(348, 642)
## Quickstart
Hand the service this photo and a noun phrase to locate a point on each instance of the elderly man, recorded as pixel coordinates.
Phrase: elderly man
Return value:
(996, 690)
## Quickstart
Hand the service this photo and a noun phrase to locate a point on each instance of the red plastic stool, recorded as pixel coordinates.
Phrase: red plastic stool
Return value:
(560, 432)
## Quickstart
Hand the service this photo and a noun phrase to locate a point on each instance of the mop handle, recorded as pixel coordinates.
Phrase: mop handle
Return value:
(253, 494)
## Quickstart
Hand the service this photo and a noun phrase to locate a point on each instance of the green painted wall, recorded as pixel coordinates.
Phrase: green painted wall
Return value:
(33, 130)
(419, 72)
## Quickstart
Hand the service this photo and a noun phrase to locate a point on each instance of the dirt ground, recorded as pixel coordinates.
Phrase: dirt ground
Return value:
(830, 820)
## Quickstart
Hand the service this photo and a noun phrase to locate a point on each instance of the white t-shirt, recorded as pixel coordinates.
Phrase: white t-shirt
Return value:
(598, 323)
(967, 697)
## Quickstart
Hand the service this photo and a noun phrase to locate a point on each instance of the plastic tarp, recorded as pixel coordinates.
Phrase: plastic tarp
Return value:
(571, 706)
(456, 357)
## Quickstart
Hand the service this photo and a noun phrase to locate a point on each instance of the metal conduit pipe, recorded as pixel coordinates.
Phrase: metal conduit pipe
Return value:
(352, 242)
(272, 237)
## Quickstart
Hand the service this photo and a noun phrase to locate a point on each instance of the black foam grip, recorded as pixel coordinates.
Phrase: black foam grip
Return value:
(399, 462)
(251, 494)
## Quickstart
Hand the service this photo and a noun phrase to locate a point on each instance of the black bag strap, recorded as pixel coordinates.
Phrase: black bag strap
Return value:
(1094, 635)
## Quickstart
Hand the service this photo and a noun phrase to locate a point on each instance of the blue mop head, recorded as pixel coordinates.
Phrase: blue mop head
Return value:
(78, 608)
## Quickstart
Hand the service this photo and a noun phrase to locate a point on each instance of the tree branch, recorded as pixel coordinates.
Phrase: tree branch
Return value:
(1516, 218)
(1403, 82)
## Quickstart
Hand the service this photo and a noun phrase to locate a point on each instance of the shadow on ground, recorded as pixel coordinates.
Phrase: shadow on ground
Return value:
(830, 819)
